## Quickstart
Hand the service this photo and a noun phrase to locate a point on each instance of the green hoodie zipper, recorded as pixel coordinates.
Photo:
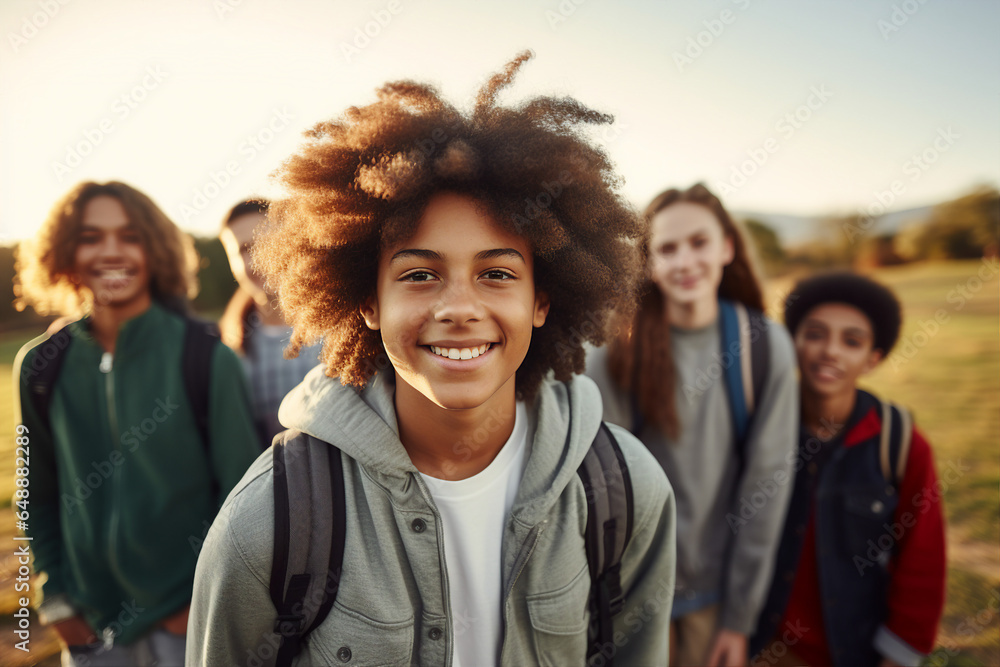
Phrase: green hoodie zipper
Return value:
(107, 368)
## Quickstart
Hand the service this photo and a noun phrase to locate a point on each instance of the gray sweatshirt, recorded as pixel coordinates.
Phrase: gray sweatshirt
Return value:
(727, 528)
(393, 604)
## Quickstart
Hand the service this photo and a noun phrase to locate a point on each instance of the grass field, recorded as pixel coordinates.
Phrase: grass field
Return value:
(949, 377)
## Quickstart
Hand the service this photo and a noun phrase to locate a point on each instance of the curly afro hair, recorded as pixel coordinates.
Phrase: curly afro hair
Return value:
(875, 300)
(361, 182)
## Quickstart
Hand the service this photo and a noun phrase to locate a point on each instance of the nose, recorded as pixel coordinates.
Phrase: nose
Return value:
(459, 304)
(830, 349)
(684, 257)
(111, 246)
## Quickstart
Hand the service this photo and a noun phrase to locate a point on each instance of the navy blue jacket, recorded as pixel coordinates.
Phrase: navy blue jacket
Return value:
(853, 501)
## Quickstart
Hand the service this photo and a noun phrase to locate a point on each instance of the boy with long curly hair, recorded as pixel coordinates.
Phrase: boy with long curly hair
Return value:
(453, 264)
(124, 472)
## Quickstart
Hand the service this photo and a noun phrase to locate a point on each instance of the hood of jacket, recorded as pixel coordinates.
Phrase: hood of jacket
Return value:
(363, 425)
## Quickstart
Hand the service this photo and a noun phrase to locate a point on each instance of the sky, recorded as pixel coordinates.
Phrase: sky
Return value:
(801, 107)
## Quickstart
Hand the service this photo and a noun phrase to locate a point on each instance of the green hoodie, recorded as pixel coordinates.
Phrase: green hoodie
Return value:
(393, 605)
(121, 486)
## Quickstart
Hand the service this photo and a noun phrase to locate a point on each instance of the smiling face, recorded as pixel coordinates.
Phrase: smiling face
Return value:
(455, 305)
(238, 239)
(110, 260)
(687, 252)
(834, 348)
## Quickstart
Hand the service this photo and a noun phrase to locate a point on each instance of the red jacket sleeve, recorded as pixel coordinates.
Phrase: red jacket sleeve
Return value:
(917, 588)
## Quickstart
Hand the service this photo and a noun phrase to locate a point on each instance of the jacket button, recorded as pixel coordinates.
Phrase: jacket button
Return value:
(435, 634)
(418, 525)
(813, 468)
(790, 576)
(877, 506)
(344, 654)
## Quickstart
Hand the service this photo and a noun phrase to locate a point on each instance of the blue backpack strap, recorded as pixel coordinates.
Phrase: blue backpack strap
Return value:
(742, 331)
(608, 488)
(733, 339)
(309, 504)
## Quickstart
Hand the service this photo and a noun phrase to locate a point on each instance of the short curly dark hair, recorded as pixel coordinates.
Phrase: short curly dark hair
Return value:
(361, 182)
(876, 301)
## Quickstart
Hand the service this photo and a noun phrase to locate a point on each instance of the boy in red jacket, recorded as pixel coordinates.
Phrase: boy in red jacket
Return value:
(860, 573)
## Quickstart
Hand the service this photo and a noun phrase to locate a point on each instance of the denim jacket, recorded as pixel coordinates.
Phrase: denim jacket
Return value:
(853, 502)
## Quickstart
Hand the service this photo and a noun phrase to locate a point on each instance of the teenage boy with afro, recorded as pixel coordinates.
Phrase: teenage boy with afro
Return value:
(860, 575)
(454, 264)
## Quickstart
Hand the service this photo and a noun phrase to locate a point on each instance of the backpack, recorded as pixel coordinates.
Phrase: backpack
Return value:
(200, 338)
(305, 574)
(743, 330)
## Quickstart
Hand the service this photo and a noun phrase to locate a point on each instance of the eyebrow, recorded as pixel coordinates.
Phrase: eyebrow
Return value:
(855, 331)
(84, 225)
(434, 255)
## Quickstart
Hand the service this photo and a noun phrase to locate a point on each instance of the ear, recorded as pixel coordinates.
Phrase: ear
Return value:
(874, 357)
(728, 250)
(369, 311)
(541, 309)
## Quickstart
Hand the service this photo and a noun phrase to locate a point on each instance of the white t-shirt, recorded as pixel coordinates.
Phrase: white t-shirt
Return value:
(474, 513)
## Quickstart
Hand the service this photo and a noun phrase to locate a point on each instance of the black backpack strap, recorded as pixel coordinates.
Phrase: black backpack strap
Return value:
(41, 374)
(305, 573)
(894, 442)
(200, 339)
(608, 487)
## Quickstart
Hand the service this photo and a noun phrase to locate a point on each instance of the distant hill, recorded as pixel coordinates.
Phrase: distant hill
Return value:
(796, 229)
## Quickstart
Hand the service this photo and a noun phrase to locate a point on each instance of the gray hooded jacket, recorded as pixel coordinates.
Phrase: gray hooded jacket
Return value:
(392, 606)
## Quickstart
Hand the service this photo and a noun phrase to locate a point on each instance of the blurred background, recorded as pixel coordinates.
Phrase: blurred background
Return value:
(859, 134)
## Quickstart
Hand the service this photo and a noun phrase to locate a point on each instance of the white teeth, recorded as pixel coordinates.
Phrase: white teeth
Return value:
(460, 353)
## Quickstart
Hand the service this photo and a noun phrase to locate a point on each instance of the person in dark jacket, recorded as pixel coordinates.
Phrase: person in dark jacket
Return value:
(122, 484)
(860, 575)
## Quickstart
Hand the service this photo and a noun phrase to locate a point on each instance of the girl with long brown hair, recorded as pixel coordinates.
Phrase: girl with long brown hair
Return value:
(664, 376)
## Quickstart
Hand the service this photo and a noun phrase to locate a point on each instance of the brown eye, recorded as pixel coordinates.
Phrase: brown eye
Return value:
(498, 274)
(418, 277)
